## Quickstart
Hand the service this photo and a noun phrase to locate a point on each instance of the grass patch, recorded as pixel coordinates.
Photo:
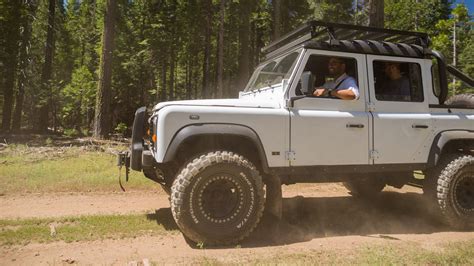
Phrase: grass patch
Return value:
(65, 169)
(403, 253)
(84, 228)
(457, 253)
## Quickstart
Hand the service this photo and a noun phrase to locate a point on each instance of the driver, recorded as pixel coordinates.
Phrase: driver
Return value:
(344, 87)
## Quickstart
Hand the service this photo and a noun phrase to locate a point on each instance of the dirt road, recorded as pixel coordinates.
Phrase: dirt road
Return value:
(318, 219)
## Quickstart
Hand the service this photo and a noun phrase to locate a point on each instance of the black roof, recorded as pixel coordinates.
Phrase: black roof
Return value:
(352, 38)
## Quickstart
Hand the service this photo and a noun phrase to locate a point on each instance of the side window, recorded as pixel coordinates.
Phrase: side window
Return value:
(398, 81)
(333, 72)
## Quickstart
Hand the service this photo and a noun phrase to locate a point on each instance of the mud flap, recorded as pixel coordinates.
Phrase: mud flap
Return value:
(274, 198)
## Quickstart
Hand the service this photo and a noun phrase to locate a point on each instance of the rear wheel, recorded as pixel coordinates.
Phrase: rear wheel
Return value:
(456, 192)
(218, 198)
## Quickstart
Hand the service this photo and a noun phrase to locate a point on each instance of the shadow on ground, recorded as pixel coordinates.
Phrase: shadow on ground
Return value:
(311, 217)
(163, 217)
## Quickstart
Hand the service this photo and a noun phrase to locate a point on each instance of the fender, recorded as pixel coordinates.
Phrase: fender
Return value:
(444, 138)
(215, 129)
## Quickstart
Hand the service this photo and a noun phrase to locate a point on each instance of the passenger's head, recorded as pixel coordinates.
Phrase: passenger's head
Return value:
(392, 70)
(336, 66)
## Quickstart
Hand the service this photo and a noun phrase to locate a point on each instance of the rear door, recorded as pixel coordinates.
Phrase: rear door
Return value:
(402, 124)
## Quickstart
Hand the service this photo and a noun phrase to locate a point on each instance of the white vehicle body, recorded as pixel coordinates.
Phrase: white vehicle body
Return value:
(316, 131)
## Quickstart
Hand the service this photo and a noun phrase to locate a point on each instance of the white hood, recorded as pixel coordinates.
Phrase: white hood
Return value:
(245, 102)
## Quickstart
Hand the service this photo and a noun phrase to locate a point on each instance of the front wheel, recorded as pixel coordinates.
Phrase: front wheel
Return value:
(218, 198)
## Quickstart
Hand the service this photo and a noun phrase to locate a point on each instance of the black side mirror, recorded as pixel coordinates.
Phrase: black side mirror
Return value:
(307, 83)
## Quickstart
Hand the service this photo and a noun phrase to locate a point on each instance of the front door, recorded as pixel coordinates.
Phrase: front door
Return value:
(326, 131)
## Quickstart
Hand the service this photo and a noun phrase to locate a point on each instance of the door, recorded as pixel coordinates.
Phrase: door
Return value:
(399, 106)
(325, 131)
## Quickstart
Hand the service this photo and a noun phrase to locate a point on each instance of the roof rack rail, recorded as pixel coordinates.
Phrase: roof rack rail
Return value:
(334, 32)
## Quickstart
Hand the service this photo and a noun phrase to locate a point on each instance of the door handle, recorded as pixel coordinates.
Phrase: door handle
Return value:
(355, 126)
(419, 126)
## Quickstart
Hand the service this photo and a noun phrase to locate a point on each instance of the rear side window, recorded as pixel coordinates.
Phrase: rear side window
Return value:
(398, 81)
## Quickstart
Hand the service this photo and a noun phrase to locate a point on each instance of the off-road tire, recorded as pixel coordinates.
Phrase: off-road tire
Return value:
(430, 183)
(461, 99)
(238, 201)
(455, 192)
(364, 188)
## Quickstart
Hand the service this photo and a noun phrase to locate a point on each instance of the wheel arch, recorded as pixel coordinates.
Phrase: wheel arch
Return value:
(198, 138)
(450, 141)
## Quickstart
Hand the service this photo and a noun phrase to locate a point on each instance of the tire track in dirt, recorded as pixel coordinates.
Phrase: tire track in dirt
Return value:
(76, 204)
(318, 219)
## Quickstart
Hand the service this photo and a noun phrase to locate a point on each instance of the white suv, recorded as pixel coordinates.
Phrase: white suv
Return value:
(215, 157)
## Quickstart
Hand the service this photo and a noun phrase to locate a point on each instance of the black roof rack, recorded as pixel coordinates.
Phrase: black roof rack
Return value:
(334, 34)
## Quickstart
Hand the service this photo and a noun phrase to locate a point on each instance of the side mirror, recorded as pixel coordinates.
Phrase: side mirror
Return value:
(307, 83)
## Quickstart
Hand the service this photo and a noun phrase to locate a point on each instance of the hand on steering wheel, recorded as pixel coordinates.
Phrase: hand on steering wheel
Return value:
(319, 92)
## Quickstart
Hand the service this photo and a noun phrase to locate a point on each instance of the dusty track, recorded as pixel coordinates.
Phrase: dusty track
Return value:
(317, 218)
(74, 204)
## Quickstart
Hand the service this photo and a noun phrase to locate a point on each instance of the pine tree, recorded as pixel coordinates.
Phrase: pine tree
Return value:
(10, 28)
(102, 125)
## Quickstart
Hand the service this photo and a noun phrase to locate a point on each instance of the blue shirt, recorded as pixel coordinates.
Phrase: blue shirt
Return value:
(348, 83)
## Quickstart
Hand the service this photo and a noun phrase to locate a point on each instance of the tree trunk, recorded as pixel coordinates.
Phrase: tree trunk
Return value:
(12, 30)
(171, 73)
(244, 40)
(376, 13)
(220, 51)
(24, 59)
(43, 120)
(207, 50)
(276, 19)
(102, 123)
(164, 66)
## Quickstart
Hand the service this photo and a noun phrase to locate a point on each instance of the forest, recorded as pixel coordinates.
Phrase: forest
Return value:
(82, 67)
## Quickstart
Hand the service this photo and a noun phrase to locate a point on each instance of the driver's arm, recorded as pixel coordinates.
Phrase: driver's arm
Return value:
(341, 94)
(344, 94)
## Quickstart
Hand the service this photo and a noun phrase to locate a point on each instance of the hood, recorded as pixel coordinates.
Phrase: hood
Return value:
(253, 103)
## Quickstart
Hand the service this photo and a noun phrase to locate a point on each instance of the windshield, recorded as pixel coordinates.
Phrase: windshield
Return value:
(273, 72)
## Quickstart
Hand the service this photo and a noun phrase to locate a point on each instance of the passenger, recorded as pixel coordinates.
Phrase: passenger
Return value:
(397, 87)
(344, 87)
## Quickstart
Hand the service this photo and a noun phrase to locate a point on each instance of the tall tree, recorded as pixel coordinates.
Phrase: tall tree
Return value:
(220, 52)
(43, 121)
(207, 49)
(244, 42)
(11, 29)
(102, 124)
(376, 13)
(24, 59)
(276, 19)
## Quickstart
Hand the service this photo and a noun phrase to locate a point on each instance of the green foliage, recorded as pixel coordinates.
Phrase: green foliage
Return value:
(415, 15)
(444, 42)
(340, 11)
(466, 58)
(160, 48)
(121, 128)
(79, 99)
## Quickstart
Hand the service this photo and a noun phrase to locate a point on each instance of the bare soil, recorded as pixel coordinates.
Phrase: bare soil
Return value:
(317, 218)
(75, 204)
